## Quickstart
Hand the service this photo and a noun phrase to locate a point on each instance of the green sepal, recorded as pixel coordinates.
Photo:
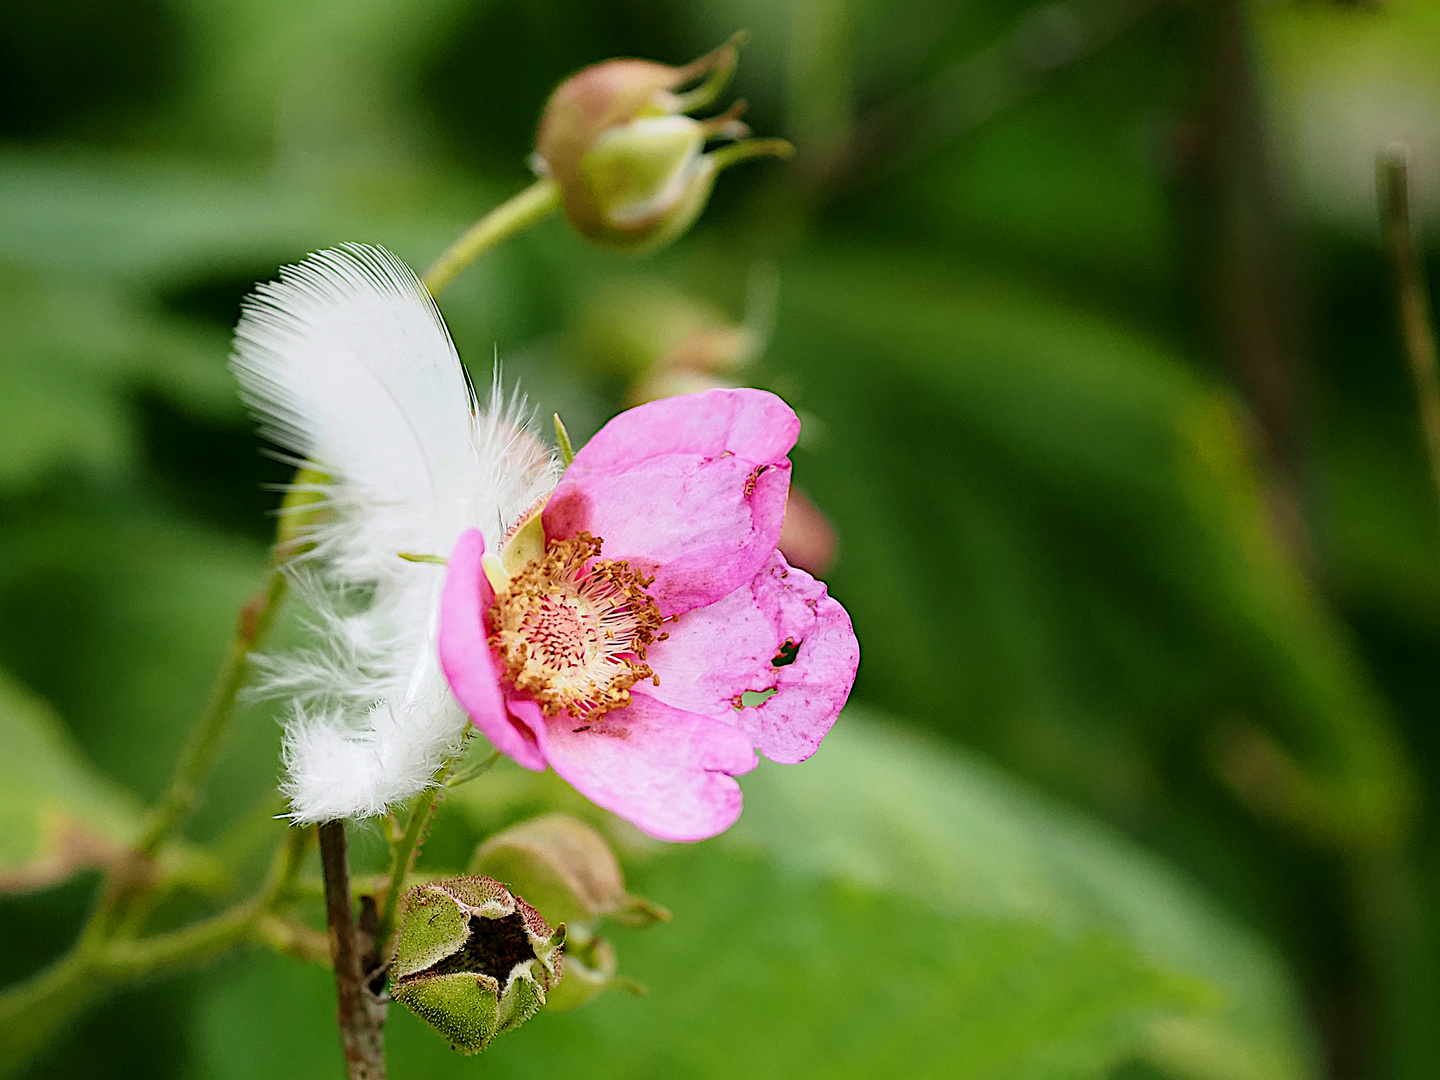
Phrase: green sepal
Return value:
(432, 927)
(590, 969)
(462, 1007)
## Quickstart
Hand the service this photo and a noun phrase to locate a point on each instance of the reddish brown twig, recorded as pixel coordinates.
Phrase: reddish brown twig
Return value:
(360, 1014)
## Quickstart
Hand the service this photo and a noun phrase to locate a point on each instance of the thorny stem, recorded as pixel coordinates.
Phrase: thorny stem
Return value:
(518, 212)
(360, 1015)
(1412, 292)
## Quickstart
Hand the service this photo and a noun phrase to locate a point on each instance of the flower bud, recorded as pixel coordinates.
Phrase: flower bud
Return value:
(629, 162)
(589, 971)
(568, 871)
(571, 874)
(807, 539)
(304, 509)
(472, 960)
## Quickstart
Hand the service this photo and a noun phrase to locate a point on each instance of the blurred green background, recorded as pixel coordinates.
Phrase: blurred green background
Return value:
(1084, 307)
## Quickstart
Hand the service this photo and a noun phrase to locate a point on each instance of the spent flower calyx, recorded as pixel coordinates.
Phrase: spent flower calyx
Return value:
(472, 959)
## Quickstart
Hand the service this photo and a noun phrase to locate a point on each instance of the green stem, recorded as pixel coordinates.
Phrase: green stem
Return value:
(33, 1011)
(480, 768)
(404, 852)
(256, 618)
(407, 848)
(519, 212)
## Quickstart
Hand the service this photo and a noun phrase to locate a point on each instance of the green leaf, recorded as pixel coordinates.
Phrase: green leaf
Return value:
(901, 812)
(1097, 574)
(889, 908)
(57, 813)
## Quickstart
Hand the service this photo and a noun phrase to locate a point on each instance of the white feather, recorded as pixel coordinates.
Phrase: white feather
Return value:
(349, 367)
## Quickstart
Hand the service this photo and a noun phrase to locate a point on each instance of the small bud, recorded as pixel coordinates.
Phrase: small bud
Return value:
(573, 877)
(629, 163)
(589, 972)
(304, 508)
(472, 960)
(807, 539)
(568, 871)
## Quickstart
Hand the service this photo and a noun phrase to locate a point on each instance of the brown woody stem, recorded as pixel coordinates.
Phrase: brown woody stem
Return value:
(361, 1016)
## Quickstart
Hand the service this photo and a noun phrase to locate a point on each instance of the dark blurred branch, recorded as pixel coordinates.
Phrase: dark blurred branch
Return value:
(1249, 263)
(360, 1015)
(893, 136)
(1412, 293)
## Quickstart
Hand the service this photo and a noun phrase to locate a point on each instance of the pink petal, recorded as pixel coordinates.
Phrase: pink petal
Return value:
(715, 653)
(666, 771)
(465, 652)
(691, 489)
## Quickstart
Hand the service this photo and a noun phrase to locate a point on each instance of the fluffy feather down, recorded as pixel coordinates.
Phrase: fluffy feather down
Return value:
(349, 367)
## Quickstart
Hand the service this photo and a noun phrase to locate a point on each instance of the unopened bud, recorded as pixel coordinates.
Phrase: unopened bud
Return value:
(473, 960)
(589, 971)
(630, 164)
(567, 870)
(304, 509)
(807, 539)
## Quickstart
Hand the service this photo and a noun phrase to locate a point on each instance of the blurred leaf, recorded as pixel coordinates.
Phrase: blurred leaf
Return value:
(57, 813)
(160, 237)
(1095, 571)
(900, 816)
(885, 906)
(121, 618)
(162, 224)
(74, 357)
(95, 216)
(51, 417)
(902, 813)
(1348, 783)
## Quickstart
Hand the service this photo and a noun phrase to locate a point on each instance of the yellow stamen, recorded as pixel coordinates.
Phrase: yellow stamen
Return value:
(571, 631)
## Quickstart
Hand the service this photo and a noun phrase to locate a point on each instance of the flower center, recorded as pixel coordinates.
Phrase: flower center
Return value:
(571, 631)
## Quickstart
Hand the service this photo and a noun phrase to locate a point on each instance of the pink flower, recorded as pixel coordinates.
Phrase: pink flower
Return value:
(642, 635)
